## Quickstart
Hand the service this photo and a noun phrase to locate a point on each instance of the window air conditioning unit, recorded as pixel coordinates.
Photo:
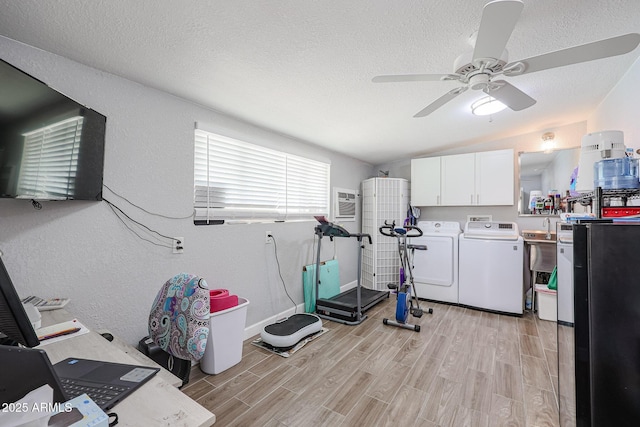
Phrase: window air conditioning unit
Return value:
(344, 204)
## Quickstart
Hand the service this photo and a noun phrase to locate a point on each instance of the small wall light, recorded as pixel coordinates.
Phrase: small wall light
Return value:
(548, 142)
(487, 105)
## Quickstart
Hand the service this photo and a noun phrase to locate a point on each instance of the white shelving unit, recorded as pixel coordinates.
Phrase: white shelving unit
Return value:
(383, 199)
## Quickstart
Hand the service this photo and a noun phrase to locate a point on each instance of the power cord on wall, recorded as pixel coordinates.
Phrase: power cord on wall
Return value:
(275, 251)
(173, 242)
(119, 213)
(145, 210)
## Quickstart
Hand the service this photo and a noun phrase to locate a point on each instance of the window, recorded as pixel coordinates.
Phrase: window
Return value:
(235, 180)
(50, 160)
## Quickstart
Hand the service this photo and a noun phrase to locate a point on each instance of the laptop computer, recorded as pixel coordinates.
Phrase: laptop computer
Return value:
(106, 383)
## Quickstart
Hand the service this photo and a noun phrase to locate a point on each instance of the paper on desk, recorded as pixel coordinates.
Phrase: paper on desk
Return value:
(59, 327)
(33, 410)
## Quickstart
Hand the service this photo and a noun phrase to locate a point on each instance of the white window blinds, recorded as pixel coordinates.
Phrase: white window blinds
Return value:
(235, 180)
(50, 160)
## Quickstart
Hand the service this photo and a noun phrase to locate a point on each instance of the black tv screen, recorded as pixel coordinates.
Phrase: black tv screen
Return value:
(51, 147)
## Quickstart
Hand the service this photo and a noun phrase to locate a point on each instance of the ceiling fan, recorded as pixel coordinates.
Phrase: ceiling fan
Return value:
(478, 69)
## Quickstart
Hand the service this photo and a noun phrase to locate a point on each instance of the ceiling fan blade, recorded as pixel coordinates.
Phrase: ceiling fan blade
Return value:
(587, 52)
(440, 101)
(499, 18)
(413, 78)
(510, 96)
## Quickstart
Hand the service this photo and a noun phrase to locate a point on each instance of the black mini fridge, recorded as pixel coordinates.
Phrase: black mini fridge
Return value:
(607, 325)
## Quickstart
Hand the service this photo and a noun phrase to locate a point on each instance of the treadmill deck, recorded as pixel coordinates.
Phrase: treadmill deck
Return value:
(344, 306)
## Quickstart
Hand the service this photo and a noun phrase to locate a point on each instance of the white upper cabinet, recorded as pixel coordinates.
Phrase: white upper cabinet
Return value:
(494, 178)
(425, 181)
(472, 179)
(458, 175)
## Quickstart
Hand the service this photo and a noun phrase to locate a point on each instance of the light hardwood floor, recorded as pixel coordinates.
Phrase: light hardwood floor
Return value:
(465, 368)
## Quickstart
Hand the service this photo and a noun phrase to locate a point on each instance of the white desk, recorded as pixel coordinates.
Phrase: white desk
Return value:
(156, 403)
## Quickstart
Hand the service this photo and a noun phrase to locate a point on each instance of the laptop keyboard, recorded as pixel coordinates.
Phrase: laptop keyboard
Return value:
(100, 394)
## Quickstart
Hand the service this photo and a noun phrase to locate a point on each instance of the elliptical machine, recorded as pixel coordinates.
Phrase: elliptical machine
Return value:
(405, 300)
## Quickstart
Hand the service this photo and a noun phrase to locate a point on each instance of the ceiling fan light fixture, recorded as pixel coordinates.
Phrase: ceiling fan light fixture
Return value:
(487, 105)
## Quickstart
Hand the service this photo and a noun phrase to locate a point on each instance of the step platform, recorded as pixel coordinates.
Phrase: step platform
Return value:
(286, 333)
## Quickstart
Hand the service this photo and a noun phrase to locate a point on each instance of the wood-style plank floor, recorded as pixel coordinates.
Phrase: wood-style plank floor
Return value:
(465, 368)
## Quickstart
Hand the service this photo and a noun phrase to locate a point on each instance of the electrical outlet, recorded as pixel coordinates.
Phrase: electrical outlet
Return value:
(267, 237)
(178, 245)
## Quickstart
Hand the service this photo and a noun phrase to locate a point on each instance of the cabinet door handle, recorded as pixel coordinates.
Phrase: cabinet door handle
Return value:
(477, 199)
(472, 199)
(438, 200)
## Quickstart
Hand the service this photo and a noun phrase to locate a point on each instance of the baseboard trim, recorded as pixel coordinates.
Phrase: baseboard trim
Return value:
(255, 329)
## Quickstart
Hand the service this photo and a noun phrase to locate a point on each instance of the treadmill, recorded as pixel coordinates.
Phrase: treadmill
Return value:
(349, 306)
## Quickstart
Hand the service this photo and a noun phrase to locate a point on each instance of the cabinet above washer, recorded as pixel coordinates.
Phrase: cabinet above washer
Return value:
(472, 179)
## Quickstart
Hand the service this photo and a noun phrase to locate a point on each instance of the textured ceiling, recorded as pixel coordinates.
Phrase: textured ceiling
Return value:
(304, 68)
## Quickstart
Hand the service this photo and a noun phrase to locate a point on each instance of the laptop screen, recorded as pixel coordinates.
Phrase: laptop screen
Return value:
(24, 370)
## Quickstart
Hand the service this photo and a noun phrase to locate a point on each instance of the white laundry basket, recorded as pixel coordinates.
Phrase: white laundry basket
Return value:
(224, 346)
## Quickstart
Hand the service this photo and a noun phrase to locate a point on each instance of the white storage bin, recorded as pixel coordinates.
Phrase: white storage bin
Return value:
(224, 346)
(547, 303)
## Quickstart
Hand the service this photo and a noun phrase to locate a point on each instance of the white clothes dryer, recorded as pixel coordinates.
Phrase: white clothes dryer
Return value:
(435, 270)
(491, 266)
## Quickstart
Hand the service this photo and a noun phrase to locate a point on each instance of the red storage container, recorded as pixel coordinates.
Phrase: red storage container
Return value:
(620, 211)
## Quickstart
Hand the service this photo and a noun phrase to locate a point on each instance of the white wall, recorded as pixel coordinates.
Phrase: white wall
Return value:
(83, 251)
(619, 110)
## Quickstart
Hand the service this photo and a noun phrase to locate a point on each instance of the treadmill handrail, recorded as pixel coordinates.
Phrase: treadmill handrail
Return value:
(360, 236)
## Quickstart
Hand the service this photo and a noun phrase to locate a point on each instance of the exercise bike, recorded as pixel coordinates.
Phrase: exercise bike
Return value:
(405, 286)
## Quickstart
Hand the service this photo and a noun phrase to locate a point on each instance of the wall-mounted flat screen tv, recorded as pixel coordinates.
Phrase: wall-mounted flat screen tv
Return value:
(51, 147)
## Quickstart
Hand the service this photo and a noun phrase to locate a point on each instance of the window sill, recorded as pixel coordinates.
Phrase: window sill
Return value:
(249, 221)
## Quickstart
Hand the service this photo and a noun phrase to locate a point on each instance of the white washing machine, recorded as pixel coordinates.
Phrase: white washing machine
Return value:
(491, 258)
(435, 271)
(564, 257)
